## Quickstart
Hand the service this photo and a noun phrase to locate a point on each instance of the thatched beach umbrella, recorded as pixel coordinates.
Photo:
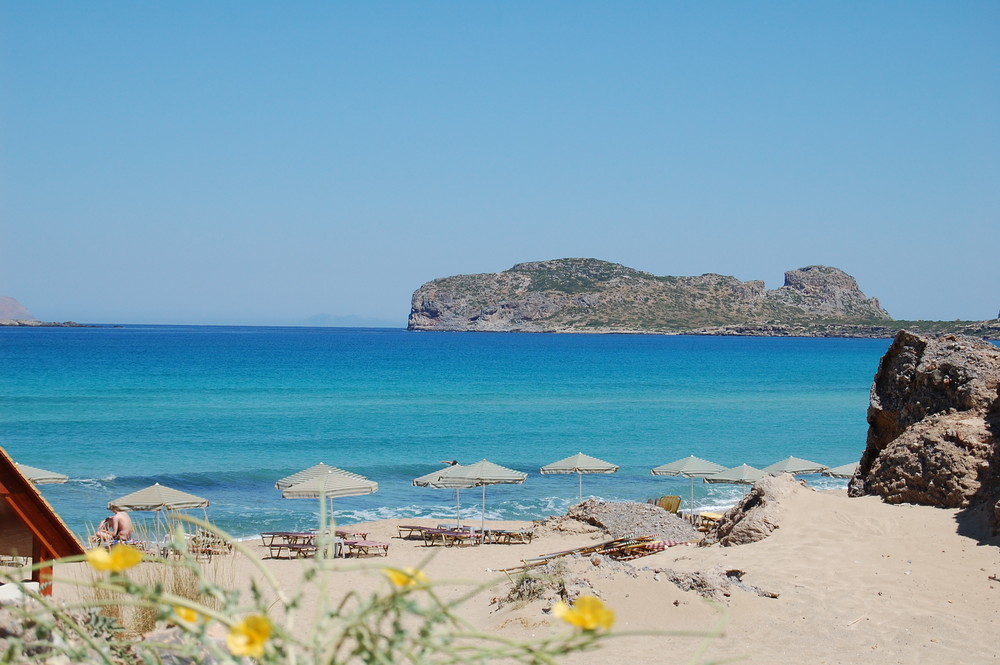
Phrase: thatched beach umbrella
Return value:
(690, 467)
(480, 474)
(435, 479)
(316, 471)
(794, 466)
(158, 497)
(41, 476)
(738, 475)
(331, 485)
(845, 471)
(579, 464)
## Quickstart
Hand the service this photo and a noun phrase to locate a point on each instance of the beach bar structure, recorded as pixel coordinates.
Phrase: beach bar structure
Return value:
(29, 526)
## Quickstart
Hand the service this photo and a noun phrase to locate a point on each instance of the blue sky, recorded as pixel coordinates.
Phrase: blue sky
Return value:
(264, 163)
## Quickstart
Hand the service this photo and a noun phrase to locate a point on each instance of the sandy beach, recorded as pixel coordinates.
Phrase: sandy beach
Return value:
(857, 581)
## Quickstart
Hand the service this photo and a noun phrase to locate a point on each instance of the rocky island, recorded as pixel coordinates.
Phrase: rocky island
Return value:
(592, 296)
(13, 313)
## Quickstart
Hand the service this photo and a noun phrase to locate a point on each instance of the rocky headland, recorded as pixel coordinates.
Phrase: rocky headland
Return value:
(933, 421)
(593, 296)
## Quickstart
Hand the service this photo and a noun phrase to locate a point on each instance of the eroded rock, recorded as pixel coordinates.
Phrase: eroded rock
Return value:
(933, 416)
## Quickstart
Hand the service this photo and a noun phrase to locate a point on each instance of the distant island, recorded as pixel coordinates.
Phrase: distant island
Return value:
(576, 295)
(13, 313)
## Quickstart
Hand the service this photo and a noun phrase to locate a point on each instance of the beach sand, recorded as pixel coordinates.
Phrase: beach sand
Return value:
(858, 581)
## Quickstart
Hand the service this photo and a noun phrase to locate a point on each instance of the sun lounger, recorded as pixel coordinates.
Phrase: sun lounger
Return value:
(410, 530)
(450, 537)
(349, 535)
(366, 547)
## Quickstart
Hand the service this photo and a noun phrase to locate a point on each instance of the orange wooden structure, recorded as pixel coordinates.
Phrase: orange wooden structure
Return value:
(29, 526)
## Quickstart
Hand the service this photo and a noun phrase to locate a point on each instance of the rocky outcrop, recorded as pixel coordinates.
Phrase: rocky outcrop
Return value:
(933, 418)
(757, 514)
(618, 519)
(588, 295)
(11, 309)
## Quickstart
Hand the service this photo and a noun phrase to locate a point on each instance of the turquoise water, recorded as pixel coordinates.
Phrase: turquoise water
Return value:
(223, 412)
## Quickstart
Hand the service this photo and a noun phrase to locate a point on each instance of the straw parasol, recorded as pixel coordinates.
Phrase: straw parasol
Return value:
(794, 466)
(480, 474)
(331, 484)
(738, 475)
(158, 497)
(845, 471)
(312, 472)
(579, 464)
(689, 467)
(41, 476)
(430, 480)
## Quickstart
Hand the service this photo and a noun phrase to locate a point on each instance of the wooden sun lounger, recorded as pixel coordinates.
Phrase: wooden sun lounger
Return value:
(411, 529)
(450, 537)
(366, 547)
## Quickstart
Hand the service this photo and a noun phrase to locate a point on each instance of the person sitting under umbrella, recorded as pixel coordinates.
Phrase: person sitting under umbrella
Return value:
(115, 529)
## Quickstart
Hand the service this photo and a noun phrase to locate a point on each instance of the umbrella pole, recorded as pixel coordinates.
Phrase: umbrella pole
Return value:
(458, 506)
(691, 505)
(580, 475)
(482, 525)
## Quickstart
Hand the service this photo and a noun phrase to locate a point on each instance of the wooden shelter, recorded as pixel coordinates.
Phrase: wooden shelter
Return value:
(29, 526)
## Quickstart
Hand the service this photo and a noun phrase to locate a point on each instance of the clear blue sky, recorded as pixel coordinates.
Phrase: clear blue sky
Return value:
(265, 162)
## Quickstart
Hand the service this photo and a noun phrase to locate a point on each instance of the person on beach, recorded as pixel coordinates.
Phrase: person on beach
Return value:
(115, 529)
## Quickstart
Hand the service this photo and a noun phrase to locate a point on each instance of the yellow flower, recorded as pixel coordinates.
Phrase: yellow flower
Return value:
(247, 638)
(588, 613)
(186, 614)
(405, 578)
(120, 557)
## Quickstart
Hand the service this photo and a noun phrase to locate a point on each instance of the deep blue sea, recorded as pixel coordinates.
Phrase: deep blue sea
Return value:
(223, 412)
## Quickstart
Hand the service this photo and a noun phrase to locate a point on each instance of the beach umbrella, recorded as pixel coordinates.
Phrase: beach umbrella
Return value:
(794, 466)
(158, 497)
(480, 474)
(690, 467)
(845, 471)
(40, 476)
(429, 480)
(310, 473)
(739, 475)
(579, 464)
(331, 485)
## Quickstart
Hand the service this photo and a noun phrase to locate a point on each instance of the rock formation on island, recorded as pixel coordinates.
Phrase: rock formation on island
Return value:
(589, 295)
(933, 420)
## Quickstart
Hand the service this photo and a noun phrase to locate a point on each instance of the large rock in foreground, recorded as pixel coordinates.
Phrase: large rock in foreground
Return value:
(933, 419)
(588, 295)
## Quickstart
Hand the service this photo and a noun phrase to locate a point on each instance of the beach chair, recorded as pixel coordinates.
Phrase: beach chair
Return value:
(205, 545)
(671, 504)
(365, 547)
(708, 520)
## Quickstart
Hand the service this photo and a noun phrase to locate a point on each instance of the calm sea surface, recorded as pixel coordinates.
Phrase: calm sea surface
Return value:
(223, 412)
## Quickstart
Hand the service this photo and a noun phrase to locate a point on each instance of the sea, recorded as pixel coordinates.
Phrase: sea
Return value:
(224, 412)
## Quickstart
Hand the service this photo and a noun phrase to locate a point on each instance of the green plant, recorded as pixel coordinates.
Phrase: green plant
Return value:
(131, 593)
